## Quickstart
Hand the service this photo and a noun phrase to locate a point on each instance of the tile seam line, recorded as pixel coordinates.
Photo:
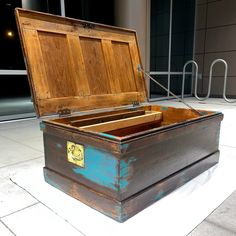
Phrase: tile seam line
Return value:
(49, 208)
(20, 162)
(197, 102)
(13, 140)
(7, 227)
(229, 146)
(212, 222)
(22, 209)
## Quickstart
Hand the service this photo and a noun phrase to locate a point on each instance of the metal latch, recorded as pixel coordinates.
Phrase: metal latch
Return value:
(88, 25)
(64, 112)
(136, 103)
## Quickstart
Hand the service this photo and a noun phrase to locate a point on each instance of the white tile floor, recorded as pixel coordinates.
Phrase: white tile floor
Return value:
(22, 150)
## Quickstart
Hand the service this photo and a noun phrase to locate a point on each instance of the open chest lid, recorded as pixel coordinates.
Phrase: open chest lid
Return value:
(75, 65)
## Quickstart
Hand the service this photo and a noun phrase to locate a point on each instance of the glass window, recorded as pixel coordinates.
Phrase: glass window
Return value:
(176, 84)
(14, 86)
(11, 54)
(155, 90)
(182, 33)
(160, 21)
(91, 10)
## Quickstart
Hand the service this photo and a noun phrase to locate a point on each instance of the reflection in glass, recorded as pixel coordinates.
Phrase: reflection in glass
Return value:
(160, 21)
(91, 10)
(182, 33)
(176, 84)
(11, 55)
(155, 90)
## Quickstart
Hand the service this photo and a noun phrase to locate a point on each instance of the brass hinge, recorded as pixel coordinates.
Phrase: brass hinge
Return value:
(64, 112)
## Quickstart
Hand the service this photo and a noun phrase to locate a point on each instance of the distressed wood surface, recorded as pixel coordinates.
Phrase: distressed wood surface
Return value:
(126, 167)
(123, 210)
(79, 65)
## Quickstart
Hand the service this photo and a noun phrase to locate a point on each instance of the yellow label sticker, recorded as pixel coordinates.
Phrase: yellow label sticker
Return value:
(75, 153)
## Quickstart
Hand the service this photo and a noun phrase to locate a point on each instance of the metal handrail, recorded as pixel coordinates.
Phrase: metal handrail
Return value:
(13, 72)
(167, 90)
(210, 80)
(184, 73)
(225, 84)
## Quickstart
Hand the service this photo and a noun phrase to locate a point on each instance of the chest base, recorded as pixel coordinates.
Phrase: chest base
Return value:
(123, 210)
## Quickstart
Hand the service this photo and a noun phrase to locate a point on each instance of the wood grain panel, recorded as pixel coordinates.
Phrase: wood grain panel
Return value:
(78, 66)
(36, 65)
(124, 68)
(111, 66)
(95, 66)
(75, 59)
(59, 70)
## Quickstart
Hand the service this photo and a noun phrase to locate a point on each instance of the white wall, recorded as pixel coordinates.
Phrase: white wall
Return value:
(133, 14)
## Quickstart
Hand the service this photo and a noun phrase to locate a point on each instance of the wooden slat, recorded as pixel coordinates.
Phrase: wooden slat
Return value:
(111, 66)
(123, 64)
(36, 69)
(78, 66)
(117, 124)
(136, 61)
(57, 62)
(95, 66)
(106, 118)
(69, 119)
(51, 106)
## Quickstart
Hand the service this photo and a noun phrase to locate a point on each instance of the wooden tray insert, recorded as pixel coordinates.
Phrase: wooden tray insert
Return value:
(125, 122)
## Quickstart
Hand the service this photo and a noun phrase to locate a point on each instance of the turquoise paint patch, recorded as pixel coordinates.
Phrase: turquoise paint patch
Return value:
(203, 113)
(124, 147)
(160, 195)
(51, 182)
(124, 172)
(42, 126)
(100, 167)
(164, 108)
(58, 145)
(108, 136)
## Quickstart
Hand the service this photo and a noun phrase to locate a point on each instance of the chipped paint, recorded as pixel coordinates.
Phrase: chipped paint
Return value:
(203, 113)
(123, 147)
(125, 172)
(164, 108)
(101, 168)
(51, 182)
(108, 136)
(160, 195)
(42, 126)
(58, 145)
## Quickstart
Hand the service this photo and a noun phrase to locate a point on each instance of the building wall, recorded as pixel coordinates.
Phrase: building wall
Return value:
(215, 37)
(133, 14)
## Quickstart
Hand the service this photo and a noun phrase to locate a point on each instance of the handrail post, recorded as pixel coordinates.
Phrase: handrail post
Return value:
(210, 80)
(184, 73)
(225, 83)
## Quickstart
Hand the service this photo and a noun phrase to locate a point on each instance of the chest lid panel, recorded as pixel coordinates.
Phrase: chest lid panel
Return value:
(77, 65)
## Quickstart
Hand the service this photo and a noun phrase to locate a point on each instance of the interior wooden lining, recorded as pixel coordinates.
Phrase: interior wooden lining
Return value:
(169, 116)
(106, 118)
(123, 123)
(74, 119)
(135, 128)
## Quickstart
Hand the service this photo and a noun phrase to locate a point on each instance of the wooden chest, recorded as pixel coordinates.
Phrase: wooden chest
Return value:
(123, 158)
